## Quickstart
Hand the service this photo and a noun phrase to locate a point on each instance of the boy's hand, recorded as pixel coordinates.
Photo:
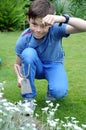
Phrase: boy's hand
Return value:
(17, 70)
(19, 82)
(51, 19)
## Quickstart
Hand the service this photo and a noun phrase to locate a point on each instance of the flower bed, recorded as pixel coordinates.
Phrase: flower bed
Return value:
(18, 116)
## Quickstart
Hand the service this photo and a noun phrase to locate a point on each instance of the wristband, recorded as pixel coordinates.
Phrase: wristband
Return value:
(67, 17)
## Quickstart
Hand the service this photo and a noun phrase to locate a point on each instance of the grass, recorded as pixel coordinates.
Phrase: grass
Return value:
(74, 104)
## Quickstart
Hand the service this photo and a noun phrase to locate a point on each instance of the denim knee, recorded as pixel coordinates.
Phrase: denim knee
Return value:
(59, 93)
(29, 55)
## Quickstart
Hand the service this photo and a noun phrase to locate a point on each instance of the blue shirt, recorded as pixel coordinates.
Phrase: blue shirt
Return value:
(49, 48)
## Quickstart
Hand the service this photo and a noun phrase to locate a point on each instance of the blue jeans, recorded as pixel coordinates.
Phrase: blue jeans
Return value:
(53, 72)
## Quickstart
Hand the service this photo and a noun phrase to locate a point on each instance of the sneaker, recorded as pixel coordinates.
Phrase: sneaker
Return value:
(29, 106)
(27, 100)
(49, 97)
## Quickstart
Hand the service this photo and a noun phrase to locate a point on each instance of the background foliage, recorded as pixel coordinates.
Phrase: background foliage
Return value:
(78, 8)
(75, 8)
(12, 12)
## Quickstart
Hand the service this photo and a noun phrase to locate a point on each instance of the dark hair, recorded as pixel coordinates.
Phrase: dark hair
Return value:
(40, 8)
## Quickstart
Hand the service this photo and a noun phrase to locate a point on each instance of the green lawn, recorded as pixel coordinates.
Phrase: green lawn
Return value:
(74, 104)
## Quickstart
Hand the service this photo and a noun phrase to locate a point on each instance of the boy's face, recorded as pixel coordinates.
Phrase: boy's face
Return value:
(38, 29)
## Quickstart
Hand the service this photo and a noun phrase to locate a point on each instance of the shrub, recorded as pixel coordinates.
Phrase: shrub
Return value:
(75, 8)
(62, 6)
(78, 8)
(12, 14)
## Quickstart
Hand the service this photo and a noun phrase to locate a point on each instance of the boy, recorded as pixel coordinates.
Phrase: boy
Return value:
(40, 48)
